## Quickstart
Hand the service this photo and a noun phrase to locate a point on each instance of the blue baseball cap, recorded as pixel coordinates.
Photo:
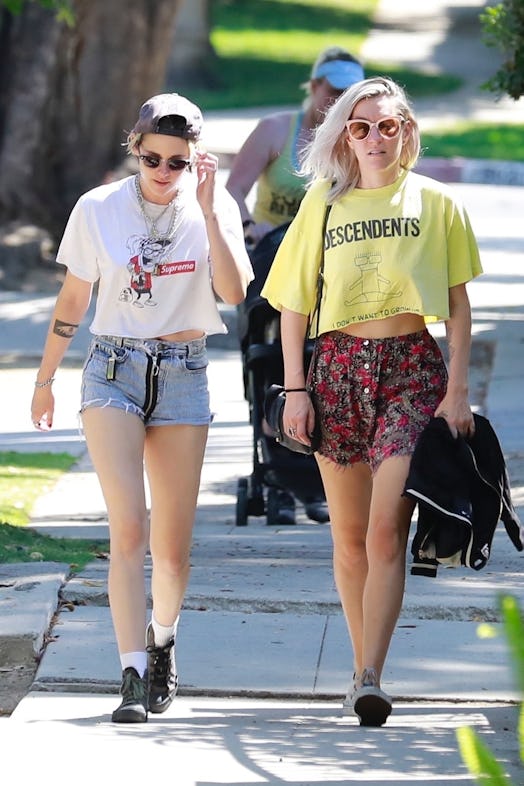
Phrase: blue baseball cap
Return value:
(339, 73)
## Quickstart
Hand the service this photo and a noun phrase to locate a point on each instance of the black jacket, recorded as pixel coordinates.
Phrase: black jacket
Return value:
(462, 490)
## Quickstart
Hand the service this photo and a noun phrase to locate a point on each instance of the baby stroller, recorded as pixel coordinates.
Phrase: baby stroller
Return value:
(279, 476)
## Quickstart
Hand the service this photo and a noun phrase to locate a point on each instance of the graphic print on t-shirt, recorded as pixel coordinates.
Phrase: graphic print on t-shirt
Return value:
(370, 285)
(284, 206)
(148, 261)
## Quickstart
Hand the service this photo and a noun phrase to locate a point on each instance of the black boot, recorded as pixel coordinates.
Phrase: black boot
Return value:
(133, 690)
(161, 666)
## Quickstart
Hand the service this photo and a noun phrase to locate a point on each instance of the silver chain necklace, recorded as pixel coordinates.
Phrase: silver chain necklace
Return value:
(152, 223)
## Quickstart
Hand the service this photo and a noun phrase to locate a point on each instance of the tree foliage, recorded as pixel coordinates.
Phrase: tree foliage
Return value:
(477, 756)
(503, 28)
(63, 8)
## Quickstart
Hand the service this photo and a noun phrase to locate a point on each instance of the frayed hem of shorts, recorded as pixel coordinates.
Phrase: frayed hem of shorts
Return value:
(159, 423)
(342, 466)
(133, 409)
(322, 458)
(101, 403)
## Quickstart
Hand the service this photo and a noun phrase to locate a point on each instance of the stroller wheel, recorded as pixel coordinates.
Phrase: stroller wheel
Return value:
(280, 507)
(256, 504)
(242, 503)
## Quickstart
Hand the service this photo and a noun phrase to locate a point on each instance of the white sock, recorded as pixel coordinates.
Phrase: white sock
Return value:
(163, 633)
(138, 660)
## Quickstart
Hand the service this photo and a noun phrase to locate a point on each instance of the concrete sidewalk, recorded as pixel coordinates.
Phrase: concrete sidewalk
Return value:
(209, 741)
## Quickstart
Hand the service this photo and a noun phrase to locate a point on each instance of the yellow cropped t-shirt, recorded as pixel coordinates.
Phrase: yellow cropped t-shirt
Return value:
(389, 250)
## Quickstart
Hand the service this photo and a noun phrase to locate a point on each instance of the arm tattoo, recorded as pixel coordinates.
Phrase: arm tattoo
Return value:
(64, 329)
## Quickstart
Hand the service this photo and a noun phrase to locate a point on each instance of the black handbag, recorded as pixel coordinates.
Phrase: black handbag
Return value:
(275, 396)
(274, 400)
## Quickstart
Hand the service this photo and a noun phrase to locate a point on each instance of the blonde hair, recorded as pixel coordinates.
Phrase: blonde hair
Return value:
(133, 140)
(329, 157)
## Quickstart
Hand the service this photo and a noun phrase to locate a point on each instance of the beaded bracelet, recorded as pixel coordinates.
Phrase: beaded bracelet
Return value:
(45, 384)
(295, 390)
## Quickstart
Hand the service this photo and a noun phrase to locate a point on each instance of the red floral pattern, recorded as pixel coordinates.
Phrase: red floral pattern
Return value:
(375, 396)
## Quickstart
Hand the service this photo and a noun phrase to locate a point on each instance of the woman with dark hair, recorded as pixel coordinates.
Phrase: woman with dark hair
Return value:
(162, 246)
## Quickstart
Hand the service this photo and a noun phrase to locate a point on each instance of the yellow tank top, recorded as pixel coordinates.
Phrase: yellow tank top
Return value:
(279, 188)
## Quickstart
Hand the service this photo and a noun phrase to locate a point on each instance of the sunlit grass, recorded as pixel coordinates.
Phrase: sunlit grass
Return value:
(265, 49)
(280, 47)
(24, 544)
(23, 478)
(476, 140)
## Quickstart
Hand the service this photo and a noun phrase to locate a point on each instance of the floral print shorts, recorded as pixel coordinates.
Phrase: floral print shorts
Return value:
(373, 397)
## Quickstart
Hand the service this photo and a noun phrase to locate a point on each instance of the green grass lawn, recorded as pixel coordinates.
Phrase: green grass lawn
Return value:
(476, 140)
(24, 544)
(23, 478)
(264, 50)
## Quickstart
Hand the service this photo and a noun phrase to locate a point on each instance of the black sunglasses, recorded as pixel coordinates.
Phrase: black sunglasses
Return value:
(175, 164)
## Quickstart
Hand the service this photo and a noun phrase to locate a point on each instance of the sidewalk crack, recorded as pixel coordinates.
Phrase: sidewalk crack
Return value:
(320, 652)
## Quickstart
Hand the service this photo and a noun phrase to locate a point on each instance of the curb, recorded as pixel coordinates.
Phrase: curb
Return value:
(29, 597)
(472, 170)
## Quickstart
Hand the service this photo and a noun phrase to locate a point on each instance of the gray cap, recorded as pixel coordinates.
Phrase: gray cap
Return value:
(172, 114)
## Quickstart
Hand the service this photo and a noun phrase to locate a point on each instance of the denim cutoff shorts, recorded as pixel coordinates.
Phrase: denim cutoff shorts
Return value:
(374, 397)
(163, 382)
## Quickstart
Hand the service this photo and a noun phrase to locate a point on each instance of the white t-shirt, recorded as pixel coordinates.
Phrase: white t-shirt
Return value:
(148, 288)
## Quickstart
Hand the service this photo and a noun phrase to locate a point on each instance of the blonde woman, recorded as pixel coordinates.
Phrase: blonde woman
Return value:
(399, 251)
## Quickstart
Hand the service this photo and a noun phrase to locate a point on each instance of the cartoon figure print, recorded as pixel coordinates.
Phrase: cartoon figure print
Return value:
(371, 287)
(146, 253)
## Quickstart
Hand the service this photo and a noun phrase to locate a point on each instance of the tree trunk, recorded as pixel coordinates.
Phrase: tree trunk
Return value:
(192, 52)
(68, 97)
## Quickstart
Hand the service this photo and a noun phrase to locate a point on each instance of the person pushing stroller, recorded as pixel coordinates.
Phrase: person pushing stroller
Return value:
(270, 159)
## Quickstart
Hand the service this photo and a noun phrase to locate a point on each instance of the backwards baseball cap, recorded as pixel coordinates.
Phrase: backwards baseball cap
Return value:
(171, 114)
(339, 73)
